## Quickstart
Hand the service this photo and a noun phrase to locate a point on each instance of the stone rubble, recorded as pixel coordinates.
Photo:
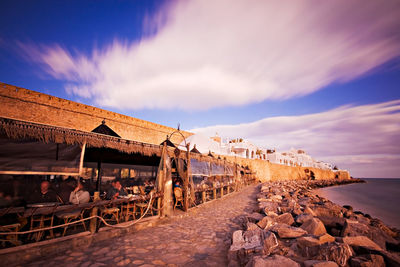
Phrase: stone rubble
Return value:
(293, 226)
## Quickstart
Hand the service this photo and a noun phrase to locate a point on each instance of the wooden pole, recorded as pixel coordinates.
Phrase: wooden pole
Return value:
(98, 185)
(214, 191)
(93, 222)
(203, 196)
(222, 191)
(163, 179)
(186, 180)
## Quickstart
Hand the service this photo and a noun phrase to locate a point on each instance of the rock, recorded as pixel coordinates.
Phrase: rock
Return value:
(348, 207)
(310, 241)
(308, 210)
(361, 241)
(337, 252)
(314, 226)
(285, 218)
(272, 261)
(307, 241)
(354, 228)
(266, 222)
(270, 243)
(276, 198)
(269, 206)
(316, 263)
(286, 231)
(326, 238)
(300, 219)
(324, 211)
(332, 222)
(251, 226)
(255, 217)
(244, 244)
(368, 260)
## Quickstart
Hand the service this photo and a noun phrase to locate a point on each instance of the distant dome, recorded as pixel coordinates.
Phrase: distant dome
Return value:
(203, 144)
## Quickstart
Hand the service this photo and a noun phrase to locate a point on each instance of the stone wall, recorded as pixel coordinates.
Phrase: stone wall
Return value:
(266, 171)
(22, 104)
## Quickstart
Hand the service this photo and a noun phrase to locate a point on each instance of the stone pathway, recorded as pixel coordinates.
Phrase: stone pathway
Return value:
(201, 239)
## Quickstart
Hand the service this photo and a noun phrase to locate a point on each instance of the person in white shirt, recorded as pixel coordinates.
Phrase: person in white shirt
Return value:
(79, 195)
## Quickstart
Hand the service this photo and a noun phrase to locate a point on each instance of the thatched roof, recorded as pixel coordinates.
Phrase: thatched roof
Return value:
(169, 143)
(194, 150)
(22, 130)
(104, 129)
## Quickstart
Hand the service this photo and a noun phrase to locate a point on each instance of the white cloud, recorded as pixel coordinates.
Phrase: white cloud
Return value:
(364, 139)
(202, 54)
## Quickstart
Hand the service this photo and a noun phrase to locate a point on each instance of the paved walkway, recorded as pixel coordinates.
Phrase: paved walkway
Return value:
(201, 239)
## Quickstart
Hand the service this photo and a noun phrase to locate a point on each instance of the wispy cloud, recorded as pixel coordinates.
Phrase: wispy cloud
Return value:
(200, 54)
(363, 138)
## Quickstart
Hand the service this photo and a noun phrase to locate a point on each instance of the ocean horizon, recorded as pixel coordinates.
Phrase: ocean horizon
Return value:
(378, 197)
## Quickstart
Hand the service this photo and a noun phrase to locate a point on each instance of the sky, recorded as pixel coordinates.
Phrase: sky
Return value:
(323, 76)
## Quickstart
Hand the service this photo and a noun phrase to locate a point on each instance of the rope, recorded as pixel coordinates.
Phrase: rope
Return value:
(81, 220)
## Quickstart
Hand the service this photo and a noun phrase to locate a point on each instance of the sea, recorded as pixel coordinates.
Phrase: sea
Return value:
(379, 197)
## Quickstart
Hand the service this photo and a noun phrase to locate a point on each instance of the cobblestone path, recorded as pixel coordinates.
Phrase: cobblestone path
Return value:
(201, 239)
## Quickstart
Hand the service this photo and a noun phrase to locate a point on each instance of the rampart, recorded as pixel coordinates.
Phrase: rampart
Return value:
(266, 171)
(23, 104)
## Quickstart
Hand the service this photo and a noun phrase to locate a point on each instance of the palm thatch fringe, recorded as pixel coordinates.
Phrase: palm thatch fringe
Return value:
(21, 130)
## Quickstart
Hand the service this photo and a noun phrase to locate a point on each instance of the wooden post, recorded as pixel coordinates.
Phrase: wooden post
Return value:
(186, 181)
(214, 192)
(93, 222)
(203, 196)
(98, 186)
(228, 189)
(222, 191)
(164, 175)
(81, 159)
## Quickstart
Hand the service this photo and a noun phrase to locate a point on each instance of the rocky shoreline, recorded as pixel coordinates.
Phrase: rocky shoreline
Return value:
(293, 226)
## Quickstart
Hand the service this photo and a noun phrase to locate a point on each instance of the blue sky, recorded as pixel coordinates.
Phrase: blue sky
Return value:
(222, 67)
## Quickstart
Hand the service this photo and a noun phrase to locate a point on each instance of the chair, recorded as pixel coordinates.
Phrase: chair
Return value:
(70, 216)
(41, 219)
(178, 196)
(110, 209)
(130, 210)
(12, 238)
(142, 205)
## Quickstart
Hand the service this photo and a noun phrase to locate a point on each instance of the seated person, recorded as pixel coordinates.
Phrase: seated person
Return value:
(79, 195)
(116, 190)
(177, 183)
(46, 194)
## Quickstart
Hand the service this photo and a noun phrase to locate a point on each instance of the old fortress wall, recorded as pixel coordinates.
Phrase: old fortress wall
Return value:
(22, 104)
(266, 171)
(27, 105)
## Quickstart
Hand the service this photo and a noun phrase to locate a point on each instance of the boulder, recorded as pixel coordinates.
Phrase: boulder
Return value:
(337, 252)
(310, 241)
(286, 231)
(272, 261)
(308, 210)
(245, 244)
(251, 226)
(269, 206)
(361, 241)
(368, 260)
(255, 217)
(316, 263)
(266, 222)
(354, 228)
(300, 219)
(325, 211)
(270, 243)
(285, 218)
(314, 226)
